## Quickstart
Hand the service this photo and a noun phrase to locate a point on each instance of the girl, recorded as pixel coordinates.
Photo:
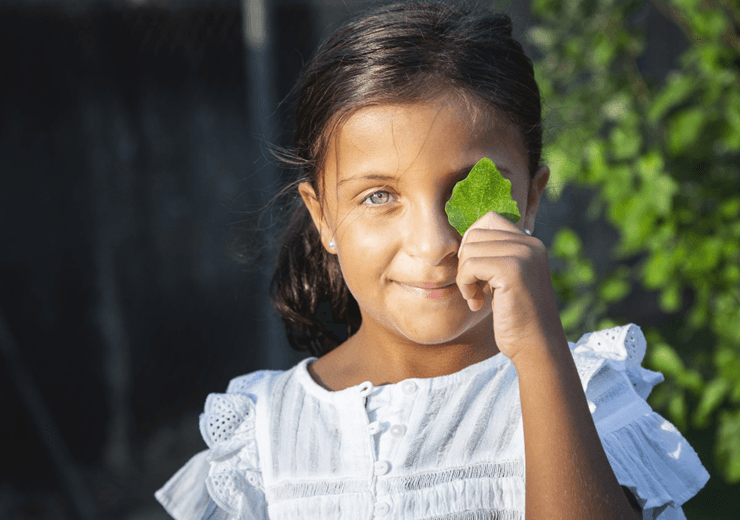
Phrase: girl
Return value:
(456, 374)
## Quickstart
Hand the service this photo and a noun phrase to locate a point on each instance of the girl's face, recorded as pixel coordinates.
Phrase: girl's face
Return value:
(388, 174)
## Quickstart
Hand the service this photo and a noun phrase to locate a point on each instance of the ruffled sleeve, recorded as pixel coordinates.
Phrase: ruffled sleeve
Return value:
(223, 482)
(647, 453)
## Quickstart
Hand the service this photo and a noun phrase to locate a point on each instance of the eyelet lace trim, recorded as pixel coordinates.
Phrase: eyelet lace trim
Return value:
(234, 480)
(621, 349)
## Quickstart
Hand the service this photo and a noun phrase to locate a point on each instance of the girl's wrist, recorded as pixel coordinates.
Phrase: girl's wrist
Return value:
(542, 350)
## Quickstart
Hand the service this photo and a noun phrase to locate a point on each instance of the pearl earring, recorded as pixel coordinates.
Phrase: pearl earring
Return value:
(332, 245)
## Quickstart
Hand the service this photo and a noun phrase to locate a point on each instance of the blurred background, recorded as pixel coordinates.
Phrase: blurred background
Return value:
(133, 148)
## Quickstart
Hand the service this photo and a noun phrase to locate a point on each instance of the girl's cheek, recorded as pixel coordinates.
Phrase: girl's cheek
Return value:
(369, 219)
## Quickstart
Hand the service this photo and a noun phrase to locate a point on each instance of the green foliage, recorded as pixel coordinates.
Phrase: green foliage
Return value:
(664, 159)
(482, 191)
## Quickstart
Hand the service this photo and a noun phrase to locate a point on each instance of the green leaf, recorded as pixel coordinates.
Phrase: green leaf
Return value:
(711, 398)
(728, 444)
(616, 108)
(705, 256)
(730, 208)
(606, 323)
(541, 37)
(691, 380)
(685, 128)
(483, 190)
(658, 269)
(664, 359)
(567, 243)
(678, 89)
(616, 286)
(677, 410)
(625, 141)
(574, 312)
(731, 273)
(671, 298)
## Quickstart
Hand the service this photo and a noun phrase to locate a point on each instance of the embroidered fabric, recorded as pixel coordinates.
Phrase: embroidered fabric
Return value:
(223, 482)
(510, 514)
(506, 469)
(234, 480)
(623, 350)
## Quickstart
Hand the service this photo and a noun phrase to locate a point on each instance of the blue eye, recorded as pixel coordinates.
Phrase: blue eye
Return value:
(378, 198)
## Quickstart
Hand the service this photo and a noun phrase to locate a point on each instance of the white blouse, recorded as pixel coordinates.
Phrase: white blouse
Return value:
(452, 447)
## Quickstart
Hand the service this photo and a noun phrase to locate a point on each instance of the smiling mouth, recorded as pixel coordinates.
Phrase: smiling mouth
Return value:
(430, 290)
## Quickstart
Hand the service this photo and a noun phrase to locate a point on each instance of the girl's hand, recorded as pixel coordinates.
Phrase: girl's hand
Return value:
(498, 258)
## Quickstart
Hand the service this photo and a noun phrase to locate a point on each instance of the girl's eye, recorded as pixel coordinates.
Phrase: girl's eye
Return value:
(378, 198)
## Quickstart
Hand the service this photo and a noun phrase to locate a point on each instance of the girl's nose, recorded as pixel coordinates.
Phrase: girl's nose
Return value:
(430, 236)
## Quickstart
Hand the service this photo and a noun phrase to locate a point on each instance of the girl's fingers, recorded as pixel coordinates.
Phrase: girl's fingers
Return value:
(476, 301)
(493, 221)
(475, 270)
(487, 235)
(489, 263)
(491, 250)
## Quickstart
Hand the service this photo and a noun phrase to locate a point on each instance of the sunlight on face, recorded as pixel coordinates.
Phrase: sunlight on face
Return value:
(388, 173)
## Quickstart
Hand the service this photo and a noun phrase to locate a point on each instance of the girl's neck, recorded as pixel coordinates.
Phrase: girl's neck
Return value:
(382, 359)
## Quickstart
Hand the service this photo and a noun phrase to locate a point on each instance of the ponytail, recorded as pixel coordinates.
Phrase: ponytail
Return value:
(308, 291)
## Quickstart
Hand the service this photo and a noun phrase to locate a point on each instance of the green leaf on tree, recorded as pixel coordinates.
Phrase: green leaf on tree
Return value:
(483, 190)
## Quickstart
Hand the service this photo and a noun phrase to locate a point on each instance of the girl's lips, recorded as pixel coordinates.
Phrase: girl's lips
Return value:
(430, 290)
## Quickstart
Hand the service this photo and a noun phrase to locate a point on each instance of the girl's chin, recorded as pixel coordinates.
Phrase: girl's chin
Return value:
(436, 332)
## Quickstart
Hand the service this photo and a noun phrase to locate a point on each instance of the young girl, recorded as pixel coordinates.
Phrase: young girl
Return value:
(456, 374)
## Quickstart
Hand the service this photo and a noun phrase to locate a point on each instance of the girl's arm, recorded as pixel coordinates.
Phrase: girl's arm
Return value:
(568, 474)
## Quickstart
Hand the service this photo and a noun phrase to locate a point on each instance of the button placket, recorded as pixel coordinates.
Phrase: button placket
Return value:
(377, 425)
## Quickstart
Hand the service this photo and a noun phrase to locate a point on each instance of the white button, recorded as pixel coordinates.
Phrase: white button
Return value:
(382, 467)
(398, 430)
(374, 427)
(381, 509)
(408, 387)
(366, 388)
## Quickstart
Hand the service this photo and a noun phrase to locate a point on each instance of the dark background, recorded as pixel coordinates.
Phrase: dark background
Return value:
(133, 141)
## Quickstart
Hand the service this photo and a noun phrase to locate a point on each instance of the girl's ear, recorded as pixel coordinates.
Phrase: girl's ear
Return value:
(317, 214)
(536, 189)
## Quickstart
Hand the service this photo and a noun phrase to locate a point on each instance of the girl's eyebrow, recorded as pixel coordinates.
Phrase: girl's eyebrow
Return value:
(461, 173)
(370, 177)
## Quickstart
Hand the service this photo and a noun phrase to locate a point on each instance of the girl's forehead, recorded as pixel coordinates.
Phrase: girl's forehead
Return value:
(439, 115)
(441, 135)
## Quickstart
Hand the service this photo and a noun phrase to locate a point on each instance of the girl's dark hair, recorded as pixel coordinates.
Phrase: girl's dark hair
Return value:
(400, 53)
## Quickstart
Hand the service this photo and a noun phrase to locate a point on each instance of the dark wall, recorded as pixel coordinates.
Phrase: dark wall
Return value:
(126, 154)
